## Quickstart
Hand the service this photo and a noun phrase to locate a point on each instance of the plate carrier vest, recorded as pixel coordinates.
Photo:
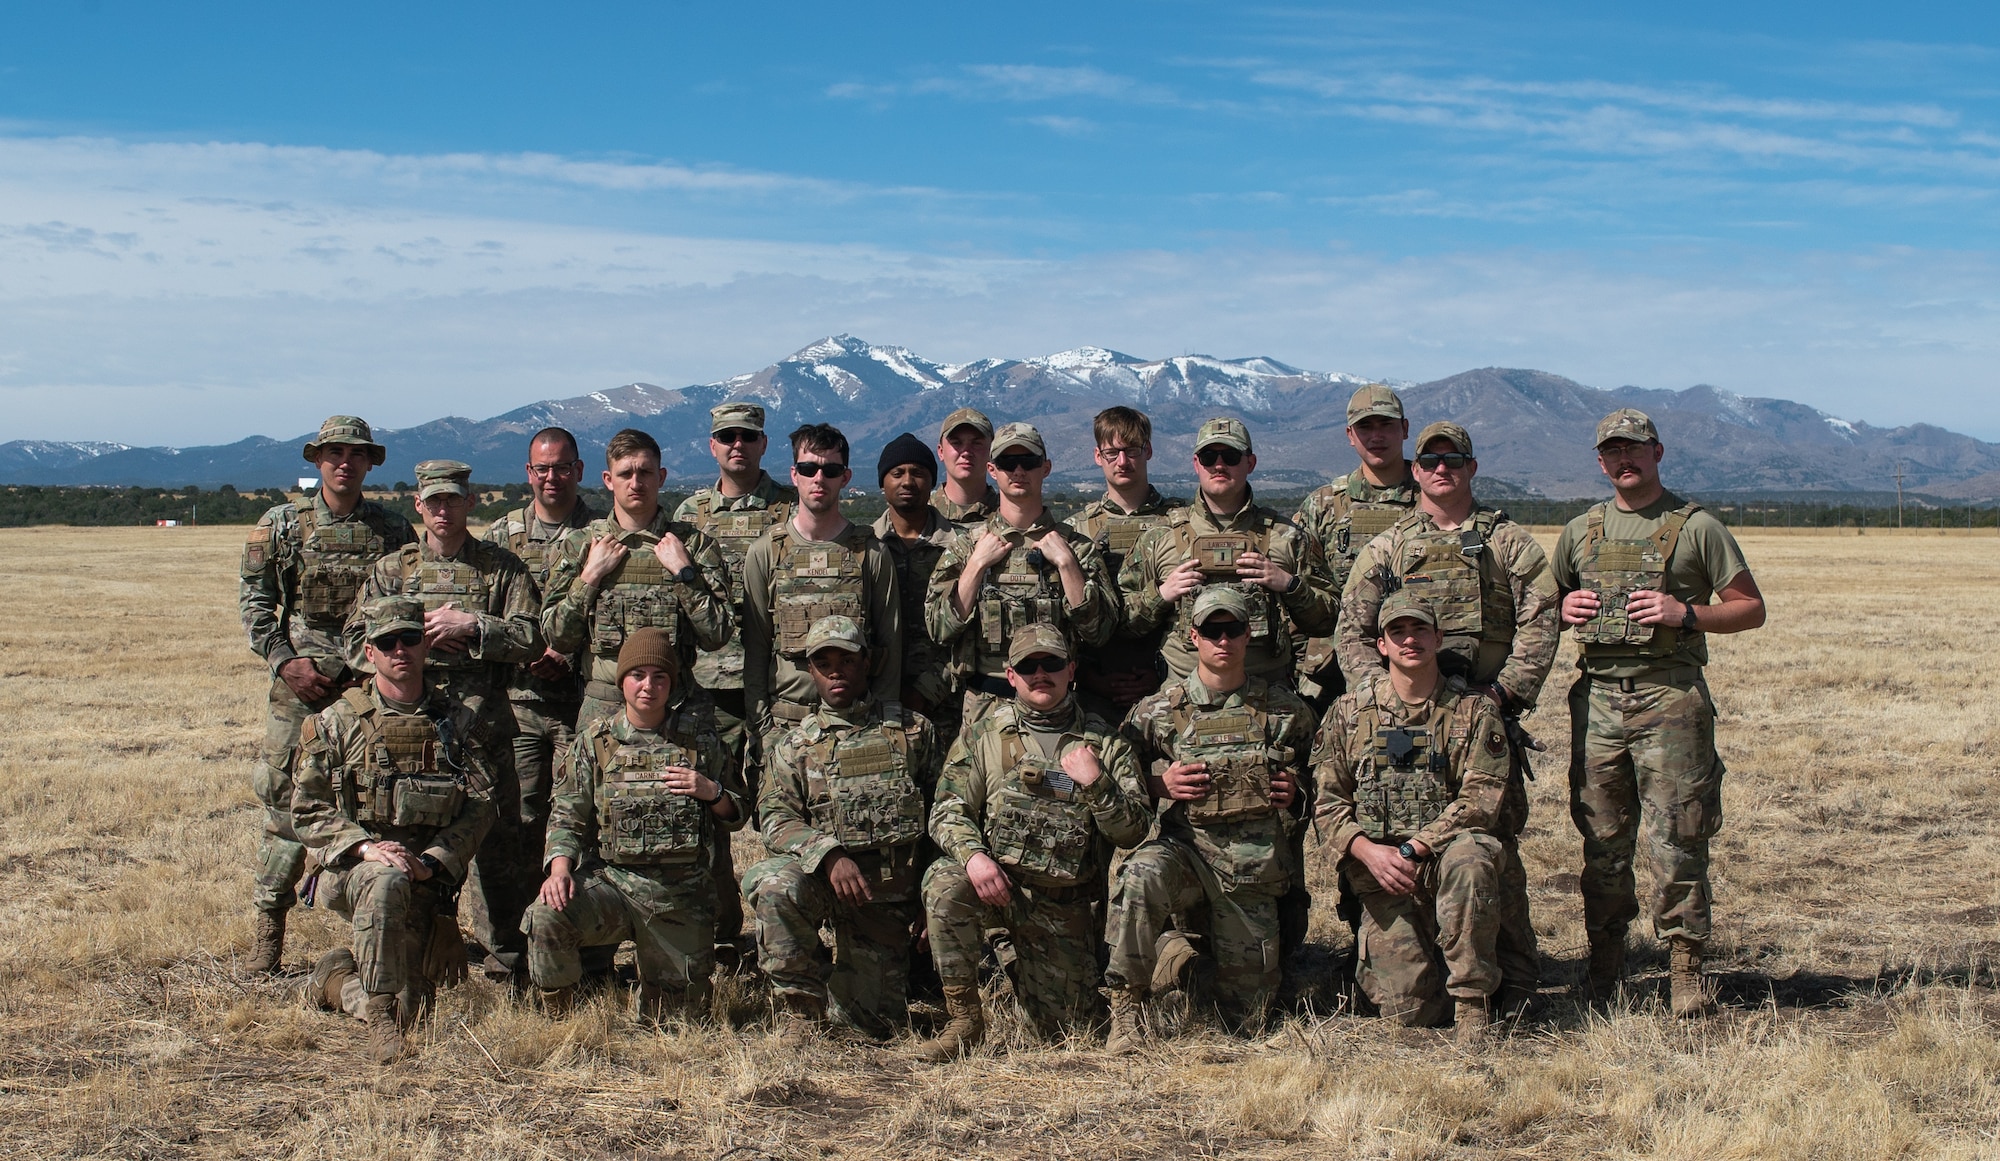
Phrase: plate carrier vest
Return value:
(414, 776)
(1454, 573)
(1614, 570)
(637, 595)
(440, 582)
(334, 562)
(1036, 825)
(865, 796)
(810, 581)
(1216, 553)
(640, 822)
(1402, 774)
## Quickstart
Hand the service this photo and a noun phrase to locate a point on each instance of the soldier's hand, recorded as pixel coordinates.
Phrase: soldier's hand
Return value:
(305, 680)
(987, 551)
(1186, 781)
(1396, 874)
(672, 554)
(1283, 789)
(450, 629)
(989, 882)
(844, 875)
(560, 887)
(1057, 550)
(685, 780)
(392, 854)
(1259, 569)
(1647, 607)
(606, 553)
(550, 666)
(1579, 606)
(1082, 766)
(1185, 579)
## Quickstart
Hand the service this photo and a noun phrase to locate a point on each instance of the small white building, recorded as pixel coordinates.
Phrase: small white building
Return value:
(308, 483)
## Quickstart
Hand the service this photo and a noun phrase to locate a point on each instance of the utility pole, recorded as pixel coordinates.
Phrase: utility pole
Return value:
(1899, 493)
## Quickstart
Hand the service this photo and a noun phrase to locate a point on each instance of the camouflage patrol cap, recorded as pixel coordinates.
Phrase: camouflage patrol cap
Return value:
(1445, 429)
(1037, 639)
(1404, 603)
(966, 417)
(1374, 399)
(747, 416)
(1021, 435)
(1221, 599)
(1627, 423)
(442, 477)
(835, 633)
(346, 429)
(385, 615)
(1224, 431)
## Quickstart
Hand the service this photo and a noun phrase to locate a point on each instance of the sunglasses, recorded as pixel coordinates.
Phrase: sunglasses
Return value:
(1222, 630)
(736, 435)
(1024, 462)
(1039, 663)
(1429, 461)
(407, 638)
(811, 468)
(1211, 456)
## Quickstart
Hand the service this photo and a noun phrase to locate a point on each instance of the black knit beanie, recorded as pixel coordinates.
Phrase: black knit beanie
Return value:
(906, 449)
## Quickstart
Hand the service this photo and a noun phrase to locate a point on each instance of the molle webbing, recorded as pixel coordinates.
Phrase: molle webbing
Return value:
(811, 580)
(1614, 570)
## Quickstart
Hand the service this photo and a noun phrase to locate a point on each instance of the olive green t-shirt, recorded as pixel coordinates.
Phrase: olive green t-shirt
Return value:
(1706, 558)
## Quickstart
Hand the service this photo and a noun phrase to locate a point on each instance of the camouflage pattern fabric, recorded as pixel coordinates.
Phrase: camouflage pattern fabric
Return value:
(1116, 533)
(671, 923)
(1417, 953)
(734, 523)
(1343, 517)
(790, 582)
(966, 515)
(1054, 932)
(1168, 877)
(1016, 593)
(929, 684)
(1274, 618)
(391, 916)
(865, 982)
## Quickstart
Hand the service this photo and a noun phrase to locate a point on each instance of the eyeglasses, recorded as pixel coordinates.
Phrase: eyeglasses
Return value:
(811, 468)
(736, 435)
(1624, 451)
(1222, 630)
(1429, 461)
(1210, 456)
(1122, 453)
(544, 471)
(407, 638)
(1023, 462)
(1039, 663)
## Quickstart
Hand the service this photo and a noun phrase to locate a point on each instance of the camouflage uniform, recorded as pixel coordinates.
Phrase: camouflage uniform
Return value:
(1116, 531)
(927, 665)
(369, 770)
(1642, 721)
(1344, 516)
(844, 782)
(967, 515)
(734, 523)
(1446, 793)
(641, 855)
(789, 583)
(1224, 861)
(1003, 793)
(301, 569)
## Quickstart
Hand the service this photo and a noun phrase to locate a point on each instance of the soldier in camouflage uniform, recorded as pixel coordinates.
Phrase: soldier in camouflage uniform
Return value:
(846, 796)
(480, 622)
(1227, 539)
(1351, 511)
(546, 692)
(1412, 769)
(391, 799)
(1645, 579)
(1228, 754)
(965, 444)
(639, 569)
(1128, 667)
(1032, 800)
(916, 535)
(640, 799)
(301, 568)
(1019, 568)
(814, 564)
(1489, 584)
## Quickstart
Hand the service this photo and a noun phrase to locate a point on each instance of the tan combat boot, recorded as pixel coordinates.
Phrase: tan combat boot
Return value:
(1607, 966)
(1128, 1022)
(1690, 997)
(966, 1029)
(558, 1003)
(267, 947)
(801, 1019)
(328, 977)
(1469, 1022)
(385, 1030)
(1175, 960)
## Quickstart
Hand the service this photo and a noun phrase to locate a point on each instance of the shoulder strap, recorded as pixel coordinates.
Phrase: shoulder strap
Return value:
(356, 699)
(1593, 526)
(308, 519)
(1668, 535)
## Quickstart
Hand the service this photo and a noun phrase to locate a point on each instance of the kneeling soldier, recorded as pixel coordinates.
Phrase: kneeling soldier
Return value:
(632, 827)
(844, 800)
(1231, 750)
(391, 799)
(1411, 771)
(1032, 798)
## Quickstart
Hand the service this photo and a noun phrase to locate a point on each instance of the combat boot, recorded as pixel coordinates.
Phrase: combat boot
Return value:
(267, 947)
(966, 1029)
(385, 1030)
(1607, 966)
(1689, 997)
(558, 1003)
(1128, 1022)
(1469, 1022)
(328, 977)
(1173, 962)
(801, 1019)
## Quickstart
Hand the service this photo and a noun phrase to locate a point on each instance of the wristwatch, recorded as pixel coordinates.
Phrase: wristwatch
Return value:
(1687, 620)
(688, 575)
(1409, 852)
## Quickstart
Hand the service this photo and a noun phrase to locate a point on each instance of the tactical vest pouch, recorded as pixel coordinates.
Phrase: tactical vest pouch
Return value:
(1030, 828)
(1239, 786)
(1215, 553)
(734, 532)
(1364, 523)
(1121, 535)
(440, 582)
(1400, 787)
(334, 563)
(796, 613)
(645, 823)
(876, 804)
(1448, 581)
(420, 801)
(1620, 568)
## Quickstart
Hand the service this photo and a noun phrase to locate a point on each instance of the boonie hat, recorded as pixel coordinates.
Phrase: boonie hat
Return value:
(1215, 599)
(835, 632)
(1445, 429)
(346, 429)
(724, 416)
(385, 615)
(1404, 603)
(1227, 432)
(1374, 399)
(966, 417)
(442, 477)
(1037, 639)
(1021, 435)
(1627, 423)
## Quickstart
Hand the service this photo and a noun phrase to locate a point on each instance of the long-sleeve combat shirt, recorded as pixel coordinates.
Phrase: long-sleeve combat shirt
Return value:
(1477, 752)
(926, 662)
(769, 675)
(508, 634)
(801, 772)
(1088, 623)
(268, 595)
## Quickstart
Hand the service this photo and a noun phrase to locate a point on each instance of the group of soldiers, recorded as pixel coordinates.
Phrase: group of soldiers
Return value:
(1086, 754)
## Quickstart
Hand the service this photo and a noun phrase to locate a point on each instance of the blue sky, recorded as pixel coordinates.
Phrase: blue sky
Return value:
(232, 218)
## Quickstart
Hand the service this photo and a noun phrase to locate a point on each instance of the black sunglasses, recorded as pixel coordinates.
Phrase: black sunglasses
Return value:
(1024, 462)
(407, 638)
(1222, 630)
(1040, 663)
(737, 435)
(1210, 456)
(811, 468)
(1429, 461)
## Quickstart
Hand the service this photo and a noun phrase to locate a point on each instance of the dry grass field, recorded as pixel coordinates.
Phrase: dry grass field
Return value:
(1858, 928)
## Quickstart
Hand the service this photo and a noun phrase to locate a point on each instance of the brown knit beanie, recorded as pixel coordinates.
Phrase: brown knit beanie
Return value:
(648, 647)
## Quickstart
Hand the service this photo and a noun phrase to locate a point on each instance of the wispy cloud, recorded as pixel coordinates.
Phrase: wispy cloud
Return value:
(1020, 83)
